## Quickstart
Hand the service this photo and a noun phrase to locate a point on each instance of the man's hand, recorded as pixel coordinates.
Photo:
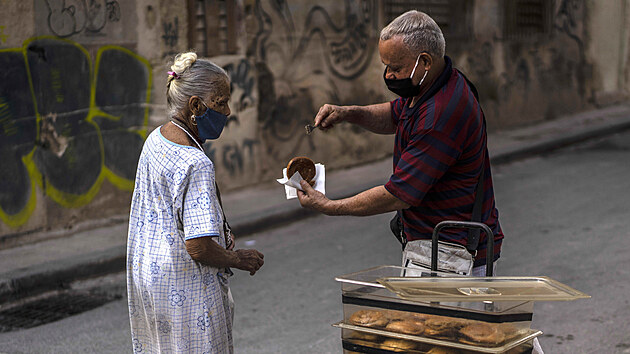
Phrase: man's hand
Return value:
(329, 115)
(249, 260)
(312, 199)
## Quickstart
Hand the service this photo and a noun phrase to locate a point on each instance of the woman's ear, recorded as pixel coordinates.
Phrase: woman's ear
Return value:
(196, 106)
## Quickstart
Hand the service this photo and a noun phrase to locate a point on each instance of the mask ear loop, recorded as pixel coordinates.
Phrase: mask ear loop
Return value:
(414, 70)
(415, 66)
(192, 117)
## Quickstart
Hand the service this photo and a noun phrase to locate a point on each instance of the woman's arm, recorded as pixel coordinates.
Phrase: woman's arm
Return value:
(206, 251)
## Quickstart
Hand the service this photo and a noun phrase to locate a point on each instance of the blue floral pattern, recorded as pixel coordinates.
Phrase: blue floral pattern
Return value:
(175, 303)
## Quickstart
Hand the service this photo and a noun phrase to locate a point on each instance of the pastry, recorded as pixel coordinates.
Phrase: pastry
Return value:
(443, 327)
(406, 327)
(303, 165)
(394, 315)
(368, 318)
(367, 337)
(442, 350)
(398, 345)
(481, 333)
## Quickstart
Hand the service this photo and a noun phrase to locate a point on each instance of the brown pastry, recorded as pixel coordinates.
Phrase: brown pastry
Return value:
(406, 327)
(303, 165)
(443, 350)
(421, 316)
(443, 327)
(368, 318)
(509, 330)
(398, 345)
(394, 315)
(367, 337)
(481, 333)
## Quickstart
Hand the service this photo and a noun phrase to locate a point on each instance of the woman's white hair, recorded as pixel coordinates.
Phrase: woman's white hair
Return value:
(419, 32)
(190, 76)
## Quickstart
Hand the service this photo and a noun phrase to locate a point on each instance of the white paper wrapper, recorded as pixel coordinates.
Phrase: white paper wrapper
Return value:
(291, 185)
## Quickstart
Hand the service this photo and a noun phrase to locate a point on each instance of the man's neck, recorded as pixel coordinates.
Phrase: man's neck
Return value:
(433, 75)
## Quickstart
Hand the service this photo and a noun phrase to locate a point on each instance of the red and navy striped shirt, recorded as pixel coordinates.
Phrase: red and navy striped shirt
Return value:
(439, 150)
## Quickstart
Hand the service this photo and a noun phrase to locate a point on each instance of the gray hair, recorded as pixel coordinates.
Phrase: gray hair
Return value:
(419, 32)
(191, 77)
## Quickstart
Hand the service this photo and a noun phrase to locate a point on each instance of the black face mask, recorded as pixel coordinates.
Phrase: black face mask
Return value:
(405, 87)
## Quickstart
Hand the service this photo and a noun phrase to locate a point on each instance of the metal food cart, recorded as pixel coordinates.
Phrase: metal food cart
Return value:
(391, 309)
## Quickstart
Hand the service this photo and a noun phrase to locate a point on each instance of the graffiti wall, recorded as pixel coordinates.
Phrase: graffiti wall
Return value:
(73, 116)
(534, 78)
(298, 56)
(84, 81)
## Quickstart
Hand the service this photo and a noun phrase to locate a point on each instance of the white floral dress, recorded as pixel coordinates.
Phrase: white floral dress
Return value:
(175, 303)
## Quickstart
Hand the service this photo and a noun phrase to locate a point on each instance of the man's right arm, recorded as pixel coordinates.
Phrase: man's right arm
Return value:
(376, 118)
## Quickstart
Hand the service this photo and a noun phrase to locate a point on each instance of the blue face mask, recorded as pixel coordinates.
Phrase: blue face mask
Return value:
(210, 124)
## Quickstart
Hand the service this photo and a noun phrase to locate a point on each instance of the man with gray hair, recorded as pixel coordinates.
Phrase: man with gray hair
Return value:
(440, 153)
(441, 163)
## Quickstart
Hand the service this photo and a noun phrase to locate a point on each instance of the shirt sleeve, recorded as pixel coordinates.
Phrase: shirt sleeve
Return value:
(200, 215)
(424, 161)
(397, 107)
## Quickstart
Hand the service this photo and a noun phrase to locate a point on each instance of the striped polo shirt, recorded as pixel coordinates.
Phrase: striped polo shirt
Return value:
(440, 146)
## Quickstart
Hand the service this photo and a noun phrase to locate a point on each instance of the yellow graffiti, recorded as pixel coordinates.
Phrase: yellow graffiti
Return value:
(70, 200)
(3, 37)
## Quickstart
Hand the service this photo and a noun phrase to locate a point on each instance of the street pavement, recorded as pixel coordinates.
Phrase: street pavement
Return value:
(565, 215)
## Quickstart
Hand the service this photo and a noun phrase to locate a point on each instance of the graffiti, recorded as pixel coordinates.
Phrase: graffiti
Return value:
(234, 155)
(3, 37)
(241, 77)
(65, 126)
(569, 21)
(70, 17)
(292, 83)
(170, 35)
(151, 17)
(349, 53)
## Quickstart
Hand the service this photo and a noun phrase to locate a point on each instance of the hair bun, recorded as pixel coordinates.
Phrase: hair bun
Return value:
(183, 61)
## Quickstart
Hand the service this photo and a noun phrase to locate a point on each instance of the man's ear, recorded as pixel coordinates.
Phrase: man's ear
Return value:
(426, 61)
(196, 105)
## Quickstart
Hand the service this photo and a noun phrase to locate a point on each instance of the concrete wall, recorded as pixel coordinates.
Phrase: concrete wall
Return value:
(87, 83)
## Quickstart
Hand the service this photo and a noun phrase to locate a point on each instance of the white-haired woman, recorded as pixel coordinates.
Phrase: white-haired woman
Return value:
(179, 248)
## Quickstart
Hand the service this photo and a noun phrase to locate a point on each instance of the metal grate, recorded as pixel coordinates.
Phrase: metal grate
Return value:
(453, 16)
(439, 10)
(50, 309)
(527, 18)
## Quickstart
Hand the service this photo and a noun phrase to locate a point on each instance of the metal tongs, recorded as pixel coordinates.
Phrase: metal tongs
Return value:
(309, 129)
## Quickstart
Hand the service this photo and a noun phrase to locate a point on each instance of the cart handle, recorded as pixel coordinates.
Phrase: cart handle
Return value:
(463, 225)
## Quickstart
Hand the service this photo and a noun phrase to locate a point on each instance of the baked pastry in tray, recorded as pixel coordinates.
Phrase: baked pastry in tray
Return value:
(369, 318)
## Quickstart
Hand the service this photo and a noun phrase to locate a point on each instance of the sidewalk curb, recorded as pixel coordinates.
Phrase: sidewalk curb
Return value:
(555, 143)
(56, 275)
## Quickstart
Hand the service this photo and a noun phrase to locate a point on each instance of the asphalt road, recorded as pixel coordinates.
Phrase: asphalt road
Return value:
(565, 215)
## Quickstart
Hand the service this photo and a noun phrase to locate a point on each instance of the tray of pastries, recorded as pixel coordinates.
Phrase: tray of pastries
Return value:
(389, 326)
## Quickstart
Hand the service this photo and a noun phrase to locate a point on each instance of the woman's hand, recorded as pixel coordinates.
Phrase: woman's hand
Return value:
(249, 260)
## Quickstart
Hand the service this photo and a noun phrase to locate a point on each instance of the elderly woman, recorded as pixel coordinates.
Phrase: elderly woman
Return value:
(179, 248)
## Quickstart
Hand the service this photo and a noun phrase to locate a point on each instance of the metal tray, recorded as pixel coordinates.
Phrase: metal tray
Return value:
(481, 289)
(526, 336)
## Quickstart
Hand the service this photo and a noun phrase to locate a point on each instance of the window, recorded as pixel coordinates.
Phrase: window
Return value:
(527, 18)
(453, 16)
(212, 27)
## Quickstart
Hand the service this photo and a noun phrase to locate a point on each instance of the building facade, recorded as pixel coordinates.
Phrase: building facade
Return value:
(82, 83)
